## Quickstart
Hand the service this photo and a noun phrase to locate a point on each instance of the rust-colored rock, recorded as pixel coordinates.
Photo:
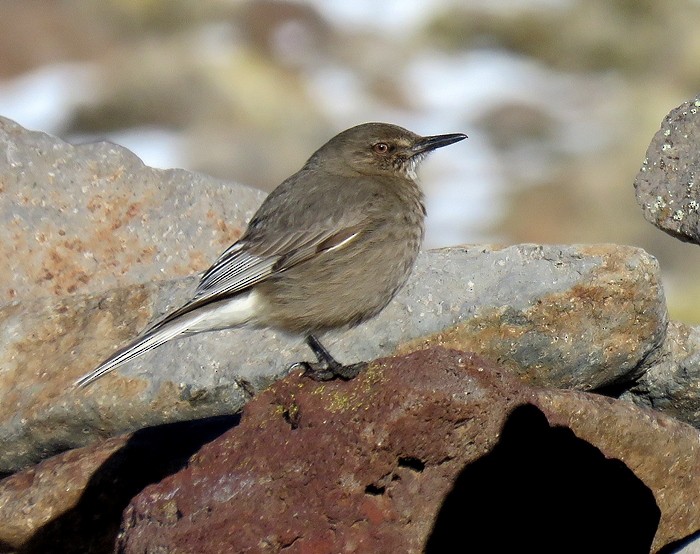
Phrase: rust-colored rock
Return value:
(425, 449)
(37, 496)
(76, 498)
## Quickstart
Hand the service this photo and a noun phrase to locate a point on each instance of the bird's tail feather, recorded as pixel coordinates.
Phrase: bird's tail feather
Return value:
(157, 335)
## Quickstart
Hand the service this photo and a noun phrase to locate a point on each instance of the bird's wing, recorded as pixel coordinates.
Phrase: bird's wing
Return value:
(248, 262)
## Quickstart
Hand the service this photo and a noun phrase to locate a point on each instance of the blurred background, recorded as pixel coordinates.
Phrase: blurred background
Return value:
(560, 99)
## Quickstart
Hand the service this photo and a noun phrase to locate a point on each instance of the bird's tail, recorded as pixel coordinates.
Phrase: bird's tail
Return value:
(157, 335)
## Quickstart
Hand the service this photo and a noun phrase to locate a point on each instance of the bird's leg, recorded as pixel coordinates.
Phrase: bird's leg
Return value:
(328, 367)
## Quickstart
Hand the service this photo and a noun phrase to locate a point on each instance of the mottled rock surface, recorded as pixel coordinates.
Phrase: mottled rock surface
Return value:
(80, 219)
(581, 317)
(668, 185)
(565, 316)
(670, 384)
(667, 189)
(432, 449)
(76, 498)
(36, 497)
(691, 545)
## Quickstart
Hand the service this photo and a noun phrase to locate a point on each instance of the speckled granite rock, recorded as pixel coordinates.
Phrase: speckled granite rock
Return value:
(425, 451)
(80, 219)
(668, 185)
(564, 316)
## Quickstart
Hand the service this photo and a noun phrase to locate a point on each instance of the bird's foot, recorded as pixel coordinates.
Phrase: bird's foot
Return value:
(327, 368)
(323, 372)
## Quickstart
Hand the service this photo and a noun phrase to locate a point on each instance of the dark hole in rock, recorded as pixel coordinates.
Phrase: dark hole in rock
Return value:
(374, 490)
(412, 463)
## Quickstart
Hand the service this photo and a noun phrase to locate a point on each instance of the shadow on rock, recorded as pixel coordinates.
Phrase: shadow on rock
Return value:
(150, 455)
(542, 489)
(687, 545)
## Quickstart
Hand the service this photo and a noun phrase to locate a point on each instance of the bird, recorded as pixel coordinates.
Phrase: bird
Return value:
(327, 249)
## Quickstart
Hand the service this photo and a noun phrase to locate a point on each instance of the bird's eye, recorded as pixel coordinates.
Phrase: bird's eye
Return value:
(381, 148)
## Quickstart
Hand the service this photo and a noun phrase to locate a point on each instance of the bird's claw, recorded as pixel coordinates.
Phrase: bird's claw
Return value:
(324, 372)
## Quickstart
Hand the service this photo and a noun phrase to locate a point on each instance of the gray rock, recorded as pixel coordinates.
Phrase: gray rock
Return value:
(79, 219)
(581, 317)
(668, 184)
(668, 190)
(670, 384)
(565, 316)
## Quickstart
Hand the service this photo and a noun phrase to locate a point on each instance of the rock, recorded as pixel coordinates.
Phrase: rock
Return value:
(690, 545)
(668, 182)
(583, 317)
(670, 384)
(76, 498)
(667, 190)
(432, 449)
(564, 316)
(33, 499)
(86, 218)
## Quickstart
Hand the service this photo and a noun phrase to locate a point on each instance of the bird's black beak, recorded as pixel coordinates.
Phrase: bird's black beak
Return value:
(426, 144)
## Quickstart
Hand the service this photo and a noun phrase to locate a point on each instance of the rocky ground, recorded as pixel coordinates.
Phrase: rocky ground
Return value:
(523, 396)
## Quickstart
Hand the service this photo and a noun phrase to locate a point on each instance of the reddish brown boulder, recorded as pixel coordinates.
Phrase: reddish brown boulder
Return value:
(422, 451)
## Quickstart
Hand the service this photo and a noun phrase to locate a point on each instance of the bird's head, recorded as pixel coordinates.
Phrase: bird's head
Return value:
(380, 149)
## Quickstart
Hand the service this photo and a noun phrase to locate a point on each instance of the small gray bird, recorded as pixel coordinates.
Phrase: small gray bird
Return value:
(328, 248)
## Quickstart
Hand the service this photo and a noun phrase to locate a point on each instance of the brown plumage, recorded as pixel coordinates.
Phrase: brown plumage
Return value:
(328, 248)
